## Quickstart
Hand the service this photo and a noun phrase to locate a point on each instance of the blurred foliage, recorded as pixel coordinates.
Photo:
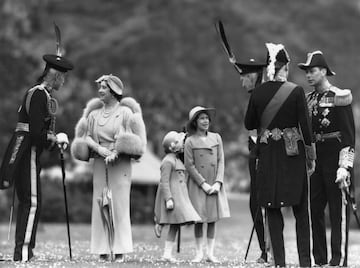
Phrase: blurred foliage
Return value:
(169, 57)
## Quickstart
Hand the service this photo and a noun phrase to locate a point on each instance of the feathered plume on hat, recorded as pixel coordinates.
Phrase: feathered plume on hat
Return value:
(274, 57)
(58, 62)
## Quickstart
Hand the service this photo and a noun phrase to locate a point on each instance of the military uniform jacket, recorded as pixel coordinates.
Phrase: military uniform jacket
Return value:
(281, 179)
(331, 115)
(33, 125)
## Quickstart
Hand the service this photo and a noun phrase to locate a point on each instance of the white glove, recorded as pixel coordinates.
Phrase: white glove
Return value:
(111, 158)
(170, 204)
(62, 140)
(310, 164)
(342, 177)
(206, 187)
(215, 188)
(104, 152)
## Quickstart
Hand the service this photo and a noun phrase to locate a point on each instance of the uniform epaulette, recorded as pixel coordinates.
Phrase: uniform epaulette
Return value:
(342, 97)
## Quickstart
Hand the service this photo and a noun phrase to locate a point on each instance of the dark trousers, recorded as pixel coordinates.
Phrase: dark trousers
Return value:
(255, 208)
(28, 191)
(325, 191)
(276, 227)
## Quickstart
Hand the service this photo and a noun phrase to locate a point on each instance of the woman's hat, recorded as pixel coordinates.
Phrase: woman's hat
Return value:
(114, 83)
(169, 141)
(316, 59)
(250, 66)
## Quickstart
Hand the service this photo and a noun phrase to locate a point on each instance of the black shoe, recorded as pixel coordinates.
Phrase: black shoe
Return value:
(18, 257)
(119, 258)
(104, 257)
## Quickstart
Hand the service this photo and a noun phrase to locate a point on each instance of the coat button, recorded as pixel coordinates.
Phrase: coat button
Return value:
(202, 166)
(281, 203)
(180, 181)
(201, 155)
(269, 204)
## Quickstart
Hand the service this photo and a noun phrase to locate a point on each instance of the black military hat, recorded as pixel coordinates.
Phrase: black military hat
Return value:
(250, 66)
(316, 59)
(58, 62)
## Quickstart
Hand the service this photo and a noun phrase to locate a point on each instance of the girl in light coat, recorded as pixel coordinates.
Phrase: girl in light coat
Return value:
(204, 160)
(172, 203)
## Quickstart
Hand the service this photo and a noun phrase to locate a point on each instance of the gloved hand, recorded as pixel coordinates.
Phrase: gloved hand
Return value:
(104, 152)
(111, 158)
(206, 187)
(170, 204)
(215, 188)
(310, 165)
(342, 177)
(62, 140)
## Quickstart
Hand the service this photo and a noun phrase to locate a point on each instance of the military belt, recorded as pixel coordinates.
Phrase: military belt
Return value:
(276, 134)
(22, 127)
(321, 137)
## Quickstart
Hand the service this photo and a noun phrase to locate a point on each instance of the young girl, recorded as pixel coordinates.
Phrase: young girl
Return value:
(172, 203)
(204, 160)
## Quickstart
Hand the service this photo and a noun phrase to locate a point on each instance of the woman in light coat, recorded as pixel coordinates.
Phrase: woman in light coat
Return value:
(111, 131)
(204, 160)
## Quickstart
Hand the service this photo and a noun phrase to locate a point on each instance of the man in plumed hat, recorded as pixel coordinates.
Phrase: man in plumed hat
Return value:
(334, 130)
(35, 131)
(251, 75)
(277, 110)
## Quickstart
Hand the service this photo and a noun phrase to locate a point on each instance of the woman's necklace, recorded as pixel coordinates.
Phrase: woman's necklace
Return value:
(105, 115)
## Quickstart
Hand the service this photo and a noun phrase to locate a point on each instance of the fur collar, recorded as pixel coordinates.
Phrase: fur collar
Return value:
(96, 103)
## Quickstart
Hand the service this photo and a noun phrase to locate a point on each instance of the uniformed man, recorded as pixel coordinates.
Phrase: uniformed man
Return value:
(34, 132)
(251, 75)
(334, 130)
(278, 110)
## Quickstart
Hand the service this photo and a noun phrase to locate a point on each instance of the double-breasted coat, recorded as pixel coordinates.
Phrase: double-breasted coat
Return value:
(173, 185)
(281, 179)
(204, 160)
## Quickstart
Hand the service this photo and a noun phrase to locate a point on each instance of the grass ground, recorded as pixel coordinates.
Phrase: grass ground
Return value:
(232, 238)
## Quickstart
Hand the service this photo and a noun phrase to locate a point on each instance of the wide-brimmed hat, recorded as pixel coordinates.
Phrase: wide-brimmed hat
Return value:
(58, 63)
(194, 112)
(250, 66)
(114, 83)
(316, 59)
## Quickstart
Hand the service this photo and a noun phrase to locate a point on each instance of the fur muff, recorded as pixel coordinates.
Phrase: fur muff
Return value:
(79, 149)
(133, 142)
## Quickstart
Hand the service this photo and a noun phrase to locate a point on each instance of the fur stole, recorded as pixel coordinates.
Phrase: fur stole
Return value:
(130, 142)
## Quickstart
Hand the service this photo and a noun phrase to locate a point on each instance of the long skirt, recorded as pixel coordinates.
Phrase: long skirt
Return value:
(119, 178)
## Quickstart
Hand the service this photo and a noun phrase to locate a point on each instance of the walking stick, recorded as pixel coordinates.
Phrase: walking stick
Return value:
(62, 146)
(11, 212)
(251, 234)
(352, 201)
(178, 240)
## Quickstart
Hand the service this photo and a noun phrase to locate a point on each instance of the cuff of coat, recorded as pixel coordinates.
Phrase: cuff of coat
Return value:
(346, 157)
(310, 151)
